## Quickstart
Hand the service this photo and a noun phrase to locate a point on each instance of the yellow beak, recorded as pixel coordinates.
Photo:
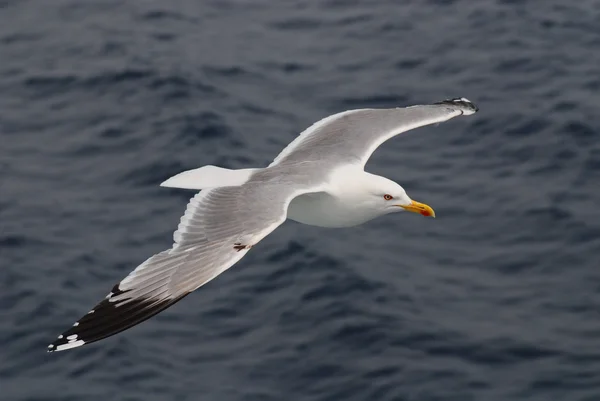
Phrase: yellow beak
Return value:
(421, 208)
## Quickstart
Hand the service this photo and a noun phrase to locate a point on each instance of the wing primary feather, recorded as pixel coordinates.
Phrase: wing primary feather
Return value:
(109, 318)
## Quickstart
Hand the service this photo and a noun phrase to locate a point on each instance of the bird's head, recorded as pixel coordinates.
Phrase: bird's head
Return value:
(390, 197)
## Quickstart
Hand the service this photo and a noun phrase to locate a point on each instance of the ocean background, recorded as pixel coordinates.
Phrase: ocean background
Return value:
(496, 299)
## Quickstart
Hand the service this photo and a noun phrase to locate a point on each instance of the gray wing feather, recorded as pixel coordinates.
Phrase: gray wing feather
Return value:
(214, 223)
(352, 136)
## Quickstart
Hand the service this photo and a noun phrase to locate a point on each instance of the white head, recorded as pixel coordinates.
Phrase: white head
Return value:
(353, 198)
(385, 196)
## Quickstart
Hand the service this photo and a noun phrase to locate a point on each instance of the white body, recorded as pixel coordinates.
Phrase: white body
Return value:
(324, 210)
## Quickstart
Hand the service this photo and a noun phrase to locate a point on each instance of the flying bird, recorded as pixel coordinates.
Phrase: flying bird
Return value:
(318, 179)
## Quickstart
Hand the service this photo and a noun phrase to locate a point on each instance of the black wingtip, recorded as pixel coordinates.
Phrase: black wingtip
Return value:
(461, 102)
(109, 318)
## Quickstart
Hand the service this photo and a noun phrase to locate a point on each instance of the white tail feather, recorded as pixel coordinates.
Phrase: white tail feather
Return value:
(209, 177)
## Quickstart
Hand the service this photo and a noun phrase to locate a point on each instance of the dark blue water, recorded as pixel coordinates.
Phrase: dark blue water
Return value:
(496, 299)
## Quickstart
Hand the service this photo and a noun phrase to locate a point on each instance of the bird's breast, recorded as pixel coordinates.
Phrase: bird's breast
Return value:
(324, 210)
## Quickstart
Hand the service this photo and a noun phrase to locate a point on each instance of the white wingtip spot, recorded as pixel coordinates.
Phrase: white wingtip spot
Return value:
(60, 337)
(70, 345)
(72, 337)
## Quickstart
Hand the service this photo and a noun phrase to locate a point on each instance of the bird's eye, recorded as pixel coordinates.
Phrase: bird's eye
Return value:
(388, 197)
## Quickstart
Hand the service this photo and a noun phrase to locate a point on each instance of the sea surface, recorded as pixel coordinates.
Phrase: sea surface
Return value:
(496, 299)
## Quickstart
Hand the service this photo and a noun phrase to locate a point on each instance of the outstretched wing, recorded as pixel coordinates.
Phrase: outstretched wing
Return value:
(218, 228)
(352, 136)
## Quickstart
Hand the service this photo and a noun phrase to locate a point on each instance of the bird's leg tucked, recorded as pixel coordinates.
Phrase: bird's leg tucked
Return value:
(239, 247)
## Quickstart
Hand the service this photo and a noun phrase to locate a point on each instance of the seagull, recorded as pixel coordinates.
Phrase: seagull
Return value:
(318, 179)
